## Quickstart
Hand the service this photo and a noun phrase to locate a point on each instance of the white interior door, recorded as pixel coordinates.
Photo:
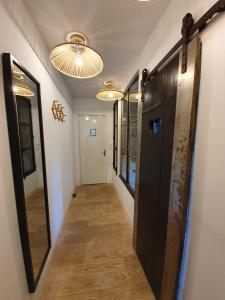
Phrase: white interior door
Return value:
(92, 149)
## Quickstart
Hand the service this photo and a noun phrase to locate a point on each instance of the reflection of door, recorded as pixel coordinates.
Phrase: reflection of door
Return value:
(92, 149)
(155, 170)
(26, 135)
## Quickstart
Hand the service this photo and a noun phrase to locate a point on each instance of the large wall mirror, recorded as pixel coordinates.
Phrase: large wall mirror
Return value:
(24, 117)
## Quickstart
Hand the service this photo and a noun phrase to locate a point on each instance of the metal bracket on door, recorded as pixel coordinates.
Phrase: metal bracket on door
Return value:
(188, 23)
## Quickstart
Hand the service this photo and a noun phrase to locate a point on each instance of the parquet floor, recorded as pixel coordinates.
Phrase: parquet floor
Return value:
(94, 258)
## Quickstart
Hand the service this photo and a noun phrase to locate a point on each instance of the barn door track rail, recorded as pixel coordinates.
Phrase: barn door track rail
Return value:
(189, 31)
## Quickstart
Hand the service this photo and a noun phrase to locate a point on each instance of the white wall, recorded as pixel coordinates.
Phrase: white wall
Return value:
(94, 107)
(205, 262)
(58, 146)
(31, 182)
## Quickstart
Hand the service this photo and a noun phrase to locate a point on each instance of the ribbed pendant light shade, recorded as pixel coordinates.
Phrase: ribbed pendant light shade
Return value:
(76, 59)
(109, 92)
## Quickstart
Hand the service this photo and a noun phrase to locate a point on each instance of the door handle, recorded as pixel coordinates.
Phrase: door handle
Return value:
(104, 152)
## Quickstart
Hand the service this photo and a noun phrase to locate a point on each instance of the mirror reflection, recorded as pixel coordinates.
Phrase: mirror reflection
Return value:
(26, 95)
(129, 110)
(132, 144)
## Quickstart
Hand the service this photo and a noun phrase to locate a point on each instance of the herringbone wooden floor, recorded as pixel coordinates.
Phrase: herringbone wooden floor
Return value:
(94, 258)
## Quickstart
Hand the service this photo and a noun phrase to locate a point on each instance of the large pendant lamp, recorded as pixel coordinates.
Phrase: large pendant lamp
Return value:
(76, 58)
(109, 92)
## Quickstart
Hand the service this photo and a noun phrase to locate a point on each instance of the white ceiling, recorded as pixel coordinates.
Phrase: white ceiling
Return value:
(117, 29)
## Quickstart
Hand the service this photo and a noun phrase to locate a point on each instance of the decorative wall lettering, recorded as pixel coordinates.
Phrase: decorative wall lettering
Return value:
(58, 111)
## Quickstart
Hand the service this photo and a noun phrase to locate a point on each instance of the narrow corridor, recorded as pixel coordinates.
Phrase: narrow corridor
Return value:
(94, 258)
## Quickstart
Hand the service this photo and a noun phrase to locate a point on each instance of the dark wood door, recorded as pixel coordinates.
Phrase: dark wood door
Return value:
(158, 121)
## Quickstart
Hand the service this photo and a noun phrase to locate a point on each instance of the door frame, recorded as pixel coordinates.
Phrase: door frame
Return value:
(187, 102)
(91, 115)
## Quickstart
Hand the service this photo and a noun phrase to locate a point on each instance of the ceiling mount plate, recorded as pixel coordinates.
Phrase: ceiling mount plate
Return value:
(76, 37)
(108, 83)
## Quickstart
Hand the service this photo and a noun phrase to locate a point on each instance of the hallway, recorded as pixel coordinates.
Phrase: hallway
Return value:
(94, 258)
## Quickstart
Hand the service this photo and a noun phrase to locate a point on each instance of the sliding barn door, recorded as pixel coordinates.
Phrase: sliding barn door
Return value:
(167, 135)
(156, 156)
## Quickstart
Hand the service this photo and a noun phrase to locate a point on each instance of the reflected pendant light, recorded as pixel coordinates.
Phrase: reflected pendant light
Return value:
(21, 89)
(133, 97)
(76, 58)
(109, 92)
(19, 74)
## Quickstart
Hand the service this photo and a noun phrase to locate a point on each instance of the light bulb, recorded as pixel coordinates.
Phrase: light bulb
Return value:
(87, 118)
(110, 95)
(79, 61)
(15, 89)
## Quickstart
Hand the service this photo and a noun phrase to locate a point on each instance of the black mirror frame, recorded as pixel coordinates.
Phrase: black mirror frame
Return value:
(11, 113)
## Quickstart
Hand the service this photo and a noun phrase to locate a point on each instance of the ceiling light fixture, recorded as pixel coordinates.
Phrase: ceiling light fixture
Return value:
(109, 92)
(76, 58)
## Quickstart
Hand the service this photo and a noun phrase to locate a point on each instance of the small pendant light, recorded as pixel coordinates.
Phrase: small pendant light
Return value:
(109, 92)
(76, 58)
